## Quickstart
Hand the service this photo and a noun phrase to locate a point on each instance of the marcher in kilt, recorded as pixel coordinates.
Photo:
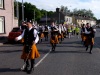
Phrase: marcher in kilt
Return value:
(46, 33)
(83, 37)
(89, 33)
(41, 34)
(30, 36)
(54, 36)
(60, 34)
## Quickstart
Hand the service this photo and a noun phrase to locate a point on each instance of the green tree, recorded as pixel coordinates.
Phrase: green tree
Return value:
(65, 9)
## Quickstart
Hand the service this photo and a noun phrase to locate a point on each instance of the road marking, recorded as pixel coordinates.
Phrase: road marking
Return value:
(97, 44)
(42, 58)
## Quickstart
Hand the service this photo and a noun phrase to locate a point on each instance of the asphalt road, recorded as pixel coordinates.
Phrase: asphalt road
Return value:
(70, 58)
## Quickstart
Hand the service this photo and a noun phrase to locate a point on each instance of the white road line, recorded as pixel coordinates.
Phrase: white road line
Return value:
(97, 44)
(42, 58)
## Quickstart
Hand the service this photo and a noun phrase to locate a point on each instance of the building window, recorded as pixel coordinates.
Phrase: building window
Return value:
(1, 4)
(2, 25)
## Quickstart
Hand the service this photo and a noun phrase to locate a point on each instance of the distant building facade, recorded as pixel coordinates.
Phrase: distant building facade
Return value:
(60, 17)
(6, 17)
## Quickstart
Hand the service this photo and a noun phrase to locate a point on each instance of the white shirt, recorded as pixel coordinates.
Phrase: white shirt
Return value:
(35, 33)
(87, 32)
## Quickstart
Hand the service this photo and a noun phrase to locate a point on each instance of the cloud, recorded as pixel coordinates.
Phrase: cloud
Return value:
(51, 5)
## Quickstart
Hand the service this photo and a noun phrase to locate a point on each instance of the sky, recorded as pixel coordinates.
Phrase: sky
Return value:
(51, 5)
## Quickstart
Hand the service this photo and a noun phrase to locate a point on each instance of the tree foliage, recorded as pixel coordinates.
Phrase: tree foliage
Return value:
(31, 11)
(30, 8)
(82, 12)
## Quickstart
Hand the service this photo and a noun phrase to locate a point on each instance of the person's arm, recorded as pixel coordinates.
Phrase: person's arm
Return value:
(59, 30)
(20, 36)
(36, 36)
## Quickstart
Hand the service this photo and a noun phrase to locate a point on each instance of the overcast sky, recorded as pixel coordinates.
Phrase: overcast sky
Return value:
(51, 5)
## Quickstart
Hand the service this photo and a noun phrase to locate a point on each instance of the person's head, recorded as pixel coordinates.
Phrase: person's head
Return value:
(83, 25)
(23, 23)
(88, 25)
(29, 24)
(52, 23)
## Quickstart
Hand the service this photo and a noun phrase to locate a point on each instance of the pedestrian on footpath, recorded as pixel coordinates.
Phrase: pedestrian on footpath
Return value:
(30, 51)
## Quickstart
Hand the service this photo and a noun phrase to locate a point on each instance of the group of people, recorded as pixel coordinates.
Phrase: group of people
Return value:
(57, 33)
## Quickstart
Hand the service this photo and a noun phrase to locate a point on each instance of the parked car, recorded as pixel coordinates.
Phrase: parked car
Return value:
(15, 32)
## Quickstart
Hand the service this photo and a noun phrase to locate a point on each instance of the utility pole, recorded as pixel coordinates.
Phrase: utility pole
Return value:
(46, 17)
(59, 16)
(34, 15)
(17, 11)
(22, 11)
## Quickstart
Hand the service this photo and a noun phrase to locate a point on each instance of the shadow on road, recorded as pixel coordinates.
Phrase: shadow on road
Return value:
(9, 51)
(9, 70)
(69, 52)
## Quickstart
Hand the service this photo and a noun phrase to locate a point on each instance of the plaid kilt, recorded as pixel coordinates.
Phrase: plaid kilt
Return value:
(89, 41)
(54, 39)
(33, 54)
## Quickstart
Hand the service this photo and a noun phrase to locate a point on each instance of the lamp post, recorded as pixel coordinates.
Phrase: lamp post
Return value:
(17, 11)
(59, 16)
(34, 15)
(46, 17)
(22, 11)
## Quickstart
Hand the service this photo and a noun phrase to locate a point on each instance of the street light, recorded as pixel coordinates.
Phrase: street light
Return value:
(22, 11)
(59, 16)
(34, 15)
(17, 10)
(46, 18)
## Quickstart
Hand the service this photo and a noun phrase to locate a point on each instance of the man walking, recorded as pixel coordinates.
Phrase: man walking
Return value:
(30, 51)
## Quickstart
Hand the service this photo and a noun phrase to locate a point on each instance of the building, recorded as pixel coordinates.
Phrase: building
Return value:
(60, 17)
(57, 17)
(6, 17)
(68, 19)
(79, 20)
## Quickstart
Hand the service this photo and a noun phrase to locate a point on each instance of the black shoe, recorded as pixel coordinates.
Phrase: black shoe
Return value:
(53, 49)
(25, 69)
(86, 49)
(30, 71)
(90, 52)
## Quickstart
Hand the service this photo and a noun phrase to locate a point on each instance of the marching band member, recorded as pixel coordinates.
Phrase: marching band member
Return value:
(54, 38)
(60, 32)
(83, 37)
(41, 34)
(30, 39)
(89, 33)
(46, 33)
